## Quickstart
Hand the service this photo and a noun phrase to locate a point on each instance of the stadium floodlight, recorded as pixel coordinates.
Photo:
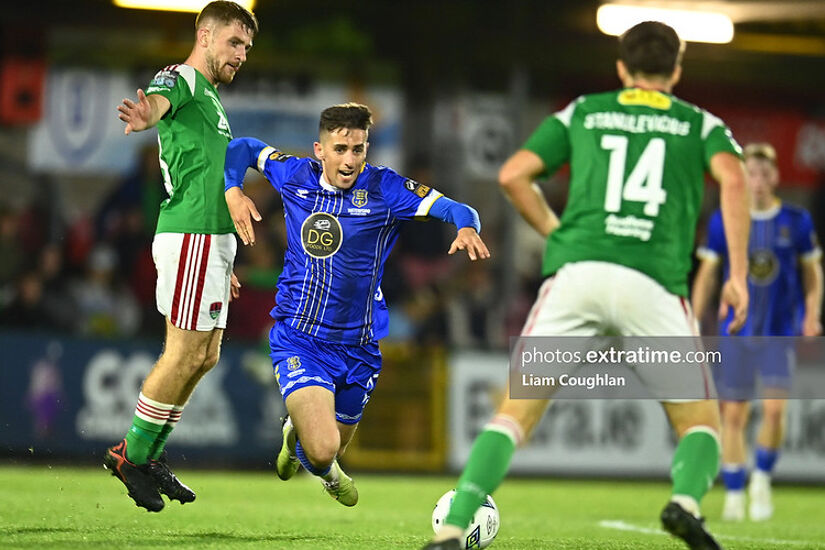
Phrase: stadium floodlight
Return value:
(194, 6)
(690, 25)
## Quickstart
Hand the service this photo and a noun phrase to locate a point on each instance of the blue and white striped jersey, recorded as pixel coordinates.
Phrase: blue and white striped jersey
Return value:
(779, 239)
(337, 243)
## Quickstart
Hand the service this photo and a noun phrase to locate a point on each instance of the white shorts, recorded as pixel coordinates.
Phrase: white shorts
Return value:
(194, 273)
(597, 298)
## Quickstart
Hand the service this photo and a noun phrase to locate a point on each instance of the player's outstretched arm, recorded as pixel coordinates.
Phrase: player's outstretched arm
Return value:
(727, 169)
(144, 114)
(242, 153)
(517, 179)
(466, 219)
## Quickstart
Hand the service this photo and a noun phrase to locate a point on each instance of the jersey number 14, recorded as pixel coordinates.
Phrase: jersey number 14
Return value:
(644, 184)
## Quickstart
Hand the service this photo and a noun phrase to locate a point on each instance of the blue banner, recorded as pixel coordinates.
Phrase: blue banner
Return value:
(68, 397)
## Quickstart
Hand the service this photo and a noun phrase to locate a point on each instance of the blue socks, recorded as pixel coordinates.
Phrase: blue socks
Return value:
(765, 459)
(311, 468)
(734, 476)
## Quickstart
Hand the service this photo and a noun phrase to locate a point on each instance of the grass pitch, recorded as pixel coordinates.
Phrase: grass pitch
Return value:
(59, 507)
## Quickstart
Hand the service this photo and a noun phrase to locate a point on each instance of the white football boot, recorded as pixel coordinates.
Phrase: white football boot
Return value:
(734, 507)
(759, 494)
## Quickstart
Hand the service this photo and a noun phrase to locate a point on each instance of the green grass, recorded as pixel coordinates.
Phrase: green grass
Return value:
(43, 507)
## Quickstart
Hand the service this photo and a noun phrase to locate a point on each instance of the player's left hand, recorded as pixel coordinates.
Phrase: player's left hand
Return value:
(811, 326)
(470, 241)
(243, 211)
(234, 287)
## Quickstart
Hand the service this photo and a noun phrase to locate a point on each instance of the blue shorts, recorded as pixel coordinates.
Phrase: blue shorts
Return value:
(743, 358)
(348, 371)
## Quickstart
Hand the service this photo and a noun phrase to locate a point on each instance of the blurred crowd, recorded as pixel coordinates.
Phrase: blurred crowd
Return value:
(94, 276)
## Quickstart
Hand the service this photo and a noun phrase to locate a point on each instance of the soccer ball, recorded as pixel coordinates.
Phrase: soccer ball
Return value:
(483, 528)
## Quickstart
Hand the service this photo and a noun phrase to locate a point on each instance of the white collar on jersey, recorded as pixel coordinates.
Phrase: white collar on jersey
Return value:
(325, 186)
(763, 215)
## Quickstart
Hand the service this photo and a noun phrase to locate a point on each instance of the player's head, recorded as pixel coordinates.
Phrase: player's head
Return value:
(762, 172)
(650, 51)
(342, 144)
(224, 32)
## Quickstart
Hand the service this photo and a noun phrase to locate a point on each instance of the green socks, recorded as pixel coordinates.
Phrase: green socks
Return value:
(147, 425)
(486, 468)
(160, 442)
(695, 463)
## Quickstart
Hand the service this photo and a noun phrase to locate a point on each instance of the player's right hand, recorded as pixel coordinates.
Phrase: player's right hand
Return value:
(734, 297)
(135, 115)
(243, 211)
(467, 239)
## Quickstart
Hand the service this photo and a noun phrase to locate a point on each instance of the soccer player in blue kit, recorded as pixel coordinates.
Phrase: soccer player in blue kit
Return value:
(785, 285)
(342, 219)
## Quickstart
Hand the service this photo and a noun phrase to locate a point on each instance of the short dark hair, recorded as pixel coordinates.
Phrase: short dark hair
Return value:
(227, 13)
(345, 115)
(761, 151)
(651, 48)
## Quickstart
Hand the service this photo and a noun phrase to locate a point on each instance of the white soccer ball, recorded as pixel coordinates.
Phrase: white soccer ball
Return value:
(483, 528)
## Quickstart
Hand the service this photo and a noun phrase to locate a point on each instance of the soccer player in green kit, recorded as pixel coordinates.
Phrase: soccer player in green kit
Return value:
(619, 258)
(194, 246)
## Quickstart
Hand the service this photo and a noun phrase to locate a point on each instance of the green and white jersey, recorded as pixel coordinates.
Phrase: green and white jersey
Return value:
(193, 135)
(637, 164)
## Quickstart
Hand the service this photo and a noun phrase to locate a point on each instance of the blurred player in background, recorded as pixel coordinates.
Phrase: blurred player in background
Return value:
(343, 217)
(785, 286)
(619, 259)
(193, 249)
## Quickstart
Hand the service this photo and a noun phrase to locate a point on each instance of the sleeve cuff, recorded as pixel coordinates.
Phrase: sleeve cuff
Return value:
(262, 156)
(425, 205)
(705, 253)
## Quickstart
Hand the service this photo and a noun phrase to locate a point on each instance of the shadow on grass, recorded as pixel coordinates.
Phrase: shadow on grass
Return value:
(40, 537)
(239, 537)
(37, 530)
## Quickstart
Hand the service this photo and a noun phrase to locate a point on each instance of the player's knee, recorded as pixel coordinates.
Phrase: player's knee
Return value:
(322, 451)
(734, 418)
(773, 415)
(210, 360)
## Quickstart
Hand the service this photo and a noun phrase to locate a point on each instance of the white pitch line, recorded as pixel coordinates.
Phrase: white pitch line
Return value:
(624, 526)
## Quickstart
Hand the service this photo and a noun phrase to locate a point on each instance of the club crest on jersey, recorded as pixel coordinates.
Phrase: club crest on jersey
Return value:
(293, 363)
(763, 267)
(215, 309)
(321, 235)
(359, 198)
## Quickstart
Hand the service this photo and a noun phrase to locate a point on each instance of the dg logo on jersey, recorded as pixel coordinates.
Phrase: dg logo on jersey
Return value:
(321, 235)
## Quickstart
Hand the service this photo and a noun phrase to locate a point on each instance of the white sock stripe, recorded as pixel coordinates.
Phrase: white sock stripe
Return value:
(508, 426)
(502, 430)
(706, 429)
(150, 418)
(154, 410)
(155, 404)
